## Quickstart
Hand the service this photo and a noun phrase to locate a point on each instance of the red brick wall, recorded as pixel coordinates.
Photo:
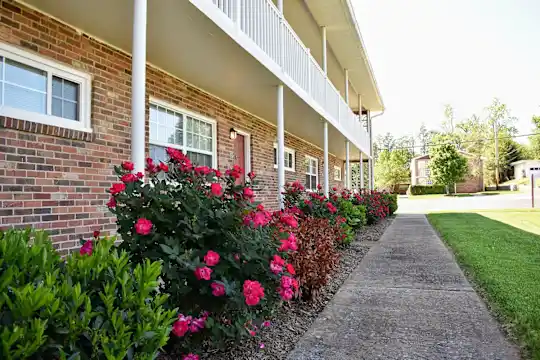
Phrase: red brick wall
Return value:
(56, 179)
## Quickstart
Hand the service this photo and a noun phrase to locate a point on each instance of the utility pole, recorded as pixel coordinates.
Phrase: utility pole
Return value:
(496, 137)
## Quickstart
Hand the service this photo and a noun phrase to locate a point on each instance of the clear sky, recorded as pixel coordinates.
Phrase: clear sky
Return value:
(427, 53)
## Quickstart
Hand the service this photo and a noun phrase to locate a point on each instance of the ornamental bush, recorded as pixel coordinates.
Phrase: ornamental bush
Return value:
(93, 305)
(317, 254)
(224, 257)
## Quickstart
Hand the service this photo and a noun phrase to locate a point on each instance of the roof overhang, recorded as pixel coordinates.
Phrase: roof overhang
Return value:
(344, 38)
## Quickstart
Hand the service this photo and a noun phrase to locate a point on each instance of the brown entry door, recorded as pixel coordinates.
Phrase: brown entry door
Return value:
(240, 156)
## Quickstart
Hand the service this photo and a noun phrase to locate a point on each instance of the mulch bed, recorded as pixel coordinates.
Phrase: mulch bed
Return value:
(292, 321)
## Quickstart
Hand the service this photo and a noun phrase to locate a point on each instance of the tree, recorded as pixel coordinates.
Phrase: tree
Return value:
(392, 168)
(447, 165)
(535, 139)
(425, 138)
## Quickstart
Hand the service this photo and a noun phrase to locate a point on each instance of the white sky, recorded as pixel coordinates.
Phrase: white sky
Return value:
(427, 53)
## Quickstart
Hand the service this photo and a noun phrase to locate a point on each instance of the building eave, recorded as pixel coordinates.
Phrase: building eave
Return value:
(345, 40)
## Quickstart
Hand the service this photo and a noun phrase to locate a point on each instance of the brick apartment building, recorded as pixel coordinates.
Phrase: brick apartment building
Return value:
(75, 101)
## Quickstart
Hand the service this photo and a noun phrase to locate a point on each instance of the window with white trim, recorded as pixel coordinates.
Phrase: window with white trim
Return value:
(36, 89)
(337, 173)
(312, 173)
(180, 129)
(289, 158)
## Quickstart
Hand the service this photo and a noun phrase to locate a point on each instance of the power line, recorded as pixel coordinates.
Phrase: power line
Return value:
(453, 142)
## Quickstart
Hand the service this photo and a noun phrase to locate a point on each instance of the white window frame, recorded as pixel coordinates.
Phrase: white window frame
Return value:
(184, 148)
(52, 68)
(340, 177)
(287, 151)
(310, 158)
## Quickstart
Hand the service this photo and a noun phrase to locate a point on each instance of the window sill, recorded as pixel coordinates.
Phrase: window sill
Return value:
(287, 169)
(43, 119)
(45, 129)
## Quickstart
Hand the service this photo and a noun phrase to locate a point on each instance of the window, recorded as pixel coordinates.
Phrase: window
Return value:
(337, 173)
(39, 90)
(180, 129)
(289, 158)
(312, 173)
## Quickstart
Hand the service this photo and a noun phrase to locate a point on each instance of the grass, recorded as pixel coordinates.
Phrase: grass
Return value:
(500, 251)
(484, 193)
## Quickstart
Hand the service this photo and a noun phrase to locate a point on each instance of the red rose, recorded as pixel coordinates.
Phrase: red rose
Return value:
(140, 175)
(87, 248)
(217, 289)
(290, 269)
(211, 258)
(111, 204)
(129, 178)
(143, 226)
(251, 175)
(218, 173)
(216, 189)
(163, 167)
(181, 326)
(96, 233)
(128, 165)
(203, 273)
(117, 188)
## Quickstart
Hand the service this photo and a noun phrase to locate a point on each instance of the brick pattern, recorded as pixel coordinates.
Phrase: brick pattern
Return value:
(57, 179)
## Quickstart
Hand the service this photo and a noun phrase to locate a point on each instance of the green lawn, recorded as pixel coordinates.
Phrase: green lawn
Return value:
(485, 193)
(500, 250)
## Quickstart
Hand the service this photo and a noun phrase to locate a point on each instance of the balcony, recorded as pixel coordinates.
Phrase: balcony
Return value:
(258, 26)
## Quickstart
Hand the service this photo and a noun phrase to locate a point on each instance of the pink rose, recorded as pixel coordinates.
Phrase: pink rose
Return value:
(248, 193)
(211, 258)
(191, 356)
(203, 273)
(217, 289)
(87, 248)
(181, 326)
(253, 292)
(143, 226)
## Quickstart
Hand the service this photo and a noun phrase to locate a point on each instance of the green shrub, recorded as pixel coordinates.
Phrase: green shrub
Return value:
(93, 305)
(426, 189)
(354, 214)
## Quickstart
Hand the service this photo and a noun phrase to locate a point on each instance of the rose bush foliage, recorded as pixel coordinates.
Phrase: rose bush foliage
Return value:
(225, 258)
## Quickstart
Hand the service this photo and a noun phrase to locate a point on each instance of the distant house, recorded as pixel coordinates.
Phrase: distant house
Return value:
(474, 182)
(524, 168)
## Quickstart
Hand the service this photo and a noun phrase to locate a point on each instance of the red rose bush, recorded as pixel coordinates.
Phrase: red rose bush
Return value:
(226, 259)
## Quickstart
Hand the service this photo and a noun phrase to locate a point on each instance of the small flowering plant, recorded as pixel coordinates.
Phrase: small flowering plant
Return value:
(224, 256)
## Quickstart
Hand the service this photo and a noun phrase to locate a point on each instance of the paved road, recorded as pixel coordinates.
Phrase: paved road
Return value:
(504, 201)
(407, 299)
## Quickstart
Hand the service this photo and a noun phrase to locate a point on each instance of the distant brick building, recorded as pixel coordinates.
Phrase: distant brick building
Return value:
(474, 181)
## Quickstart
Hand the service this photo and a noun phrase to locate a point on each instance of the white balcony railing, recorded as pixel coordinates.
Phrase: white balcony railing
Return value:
(261, 21)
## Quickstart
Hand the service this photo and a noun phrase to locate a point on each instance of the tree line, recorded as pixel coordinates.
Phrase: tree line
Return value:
(476, 135)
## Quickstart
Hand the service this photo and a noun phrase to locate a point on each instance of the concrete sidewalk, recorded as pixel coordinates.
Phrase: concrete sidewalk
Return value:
(407, 299)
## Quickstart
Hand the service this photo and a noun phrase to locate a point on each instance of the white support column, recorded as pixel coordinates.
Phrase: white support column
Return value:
(280, 145)
(361, 170)
(325, 168)
(370, 162)
(347, 86)
(324, 54)
(138, 86)
(347, 166)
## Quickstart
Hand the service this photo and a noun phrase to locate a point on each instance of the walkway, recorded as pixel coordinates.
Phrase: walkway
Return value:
(407, 299)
